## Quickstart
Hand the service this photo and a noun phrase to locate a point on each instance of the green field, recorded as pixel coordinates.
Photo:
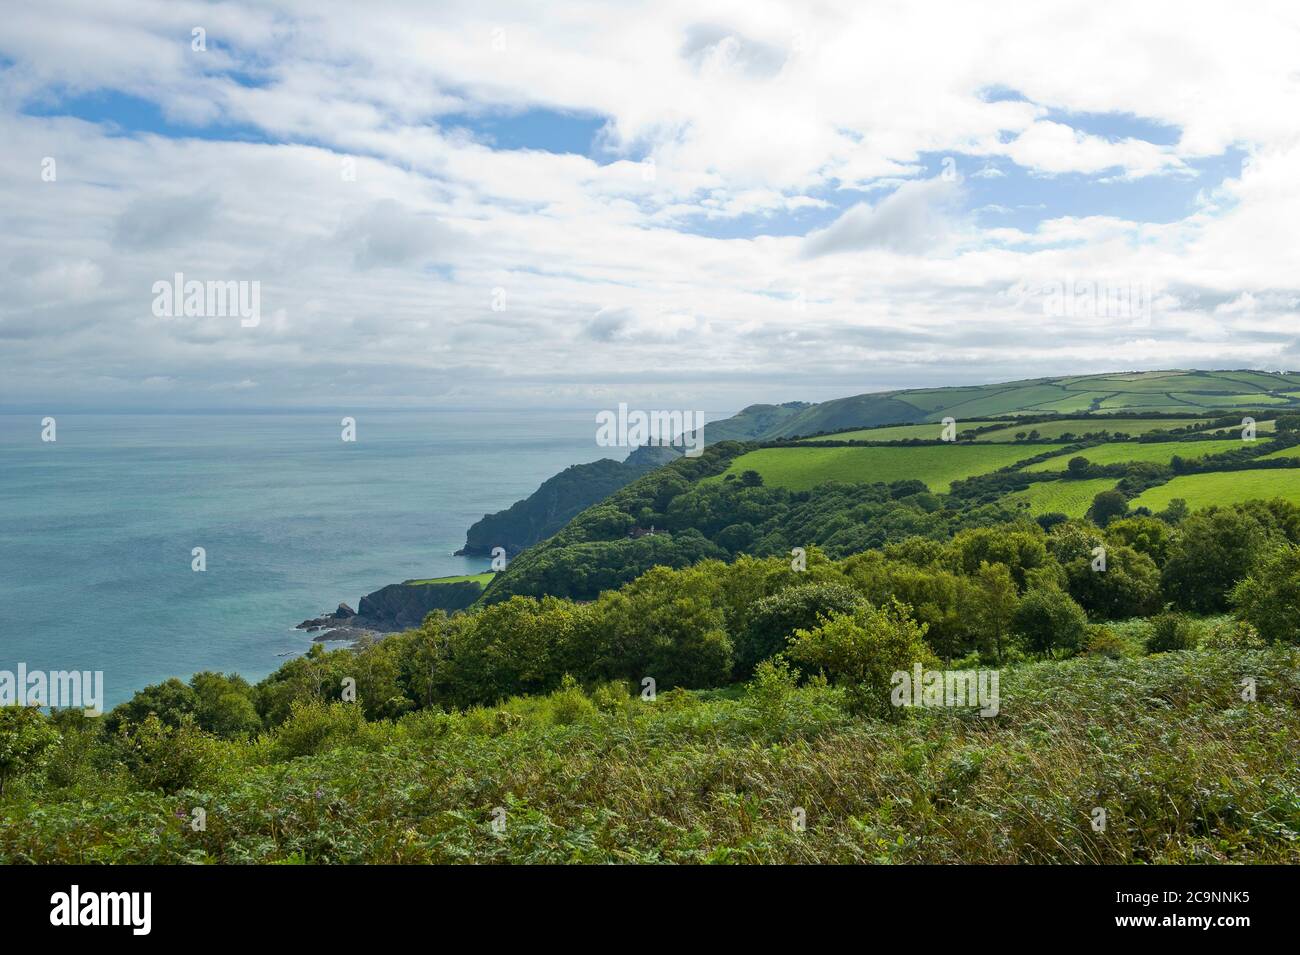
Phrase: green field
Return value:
(1232, 401)
(1291, 452)
(1079, 426)
(480, 578)
(1118, 452)
(1260, 428)
(1071, 498)
(1193, 392)
(938, 465)
(1224, 487)
(901, 432)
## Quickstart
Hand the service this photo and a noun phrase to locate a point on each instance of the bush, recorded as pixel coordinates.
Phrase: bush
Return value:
(777, 617)
(25, 736)
(569, 704)
(1214, 550)
(770, 690)
(314, 727)
(1048, 620)
(1169, 631)
(862, 650)
(168, 758)
(1104, 642)
(1269, 599)
(1232, 635)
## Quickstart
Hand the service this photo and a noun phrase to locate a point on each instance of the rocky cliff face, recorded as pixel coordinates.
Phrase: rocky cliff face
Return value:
(392, 608)
(558, 500)
(402, 606)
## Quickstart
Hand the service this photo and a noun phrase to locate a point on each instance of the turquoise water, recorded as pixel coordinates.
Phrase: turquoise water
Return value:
(97, 528)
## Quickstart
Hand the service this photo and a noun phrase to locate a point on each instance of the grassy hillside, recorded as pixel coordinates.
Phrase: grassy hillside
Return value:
(1070, 498)
(937, 466)
(1080, 426)
(1225, 487)
(1174, 391)
(1122, 451)
(1186, 392)
(1185, 771)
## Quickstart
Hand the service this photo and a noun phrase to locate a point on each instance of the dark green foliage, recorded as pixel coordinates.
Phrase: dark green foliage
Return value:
(1269, 598)
(1167, 632)
(1213, 550)
(861, 651)
(1047, 620)
(25, 736)
(550, 507)
(777, 617)
(1106, 507)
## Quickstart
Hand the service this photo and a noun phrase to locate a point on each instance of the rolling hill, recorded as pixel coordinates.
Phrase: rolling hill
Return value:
(1151, 392)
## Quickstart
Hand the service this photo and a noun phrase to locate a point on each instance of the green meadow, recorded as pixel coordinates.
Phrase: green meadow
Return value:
(1224, 487)
(937, 465)
(483, 579)
(1071, 498)
(1080, 426)
(1120, 452)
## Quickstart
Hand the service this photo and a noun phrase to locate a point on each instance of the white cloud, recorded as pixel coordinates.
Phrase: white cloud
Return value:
(382, 288)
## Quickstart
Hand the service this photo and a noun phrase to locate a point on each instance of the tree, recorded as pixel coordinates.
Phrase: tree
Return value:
(777, 617)
(1214, 549)
(1169, 631)
(1078, 466)
(1048, 620)
(1018, 547)
(25, 735)
(1146, 535)
(1128, 587)
(992, 599)
(1106, 507)
(861, 651)
(1269, 598)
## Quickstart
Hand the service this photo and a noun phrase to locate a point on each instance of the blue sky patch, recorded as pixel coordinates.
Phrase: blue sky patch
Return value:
(133, 115)
(544, 130)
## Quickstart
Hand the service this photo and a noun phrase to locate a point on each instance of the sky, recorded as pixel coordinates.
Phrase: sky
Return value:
(693, 205)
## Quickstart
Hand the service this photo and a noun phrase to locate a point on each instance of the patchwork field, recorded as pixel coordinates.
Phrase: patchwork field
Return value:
(1119, 452)
(799, 469)
(901, 432)
(1291, 452)
(1080, 426)
(1071, 498)
(1224, 487)
(483, 579)
(1194, 392)
(1261, 427)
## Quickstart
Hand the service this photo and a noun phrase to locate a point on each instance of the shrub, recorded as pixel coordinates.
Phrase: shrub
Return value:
(25, 736)
(769, 692)
(862, 650)
(314, 727)
(168, 758)
(1104, 642)
(1269, 599)
(569, 704)
(1048, 620)
(1169, 631)
(1213, 551)
(776, 617)
(1232, 635)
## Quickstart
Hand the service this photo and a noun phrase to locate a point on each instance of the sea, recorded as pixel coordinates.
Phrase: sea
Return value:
(98, 528)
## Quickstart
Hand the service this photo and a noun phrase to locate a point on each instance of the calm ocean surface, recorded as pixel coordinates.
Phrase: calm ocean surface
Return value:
(96, 529)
